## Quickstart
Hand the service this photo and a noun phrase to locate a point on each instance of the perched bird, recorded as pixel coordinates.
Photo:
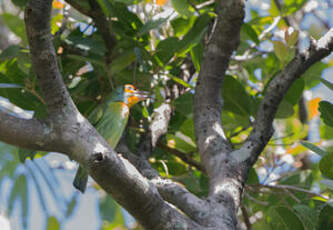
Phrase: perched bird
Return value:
(110, 119)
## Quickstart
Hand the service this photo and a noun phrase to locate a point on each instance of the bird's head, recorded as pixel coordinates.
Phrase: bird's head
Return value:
(129, 95)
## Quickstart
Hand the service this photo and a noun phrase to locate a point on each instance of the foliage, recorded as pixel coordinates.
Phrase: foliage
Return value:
(159, 48)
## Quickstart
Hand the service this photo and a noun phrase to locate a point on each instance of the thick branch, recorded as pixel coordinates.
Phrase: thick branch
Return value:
(172, 192)
(44, 59)
(276, 89)
(27, 133)
(80, 140)
(214, 148)
(208, 100)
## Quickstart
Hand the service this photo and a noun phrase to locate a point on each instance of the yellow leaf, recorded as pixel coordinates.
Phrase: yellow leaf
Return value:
(296, 149)
(313, 107)
(57, 4)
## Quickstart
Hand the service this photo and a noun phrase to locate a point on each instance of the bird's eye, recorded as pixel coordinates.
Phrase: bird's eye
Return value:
(129, 87)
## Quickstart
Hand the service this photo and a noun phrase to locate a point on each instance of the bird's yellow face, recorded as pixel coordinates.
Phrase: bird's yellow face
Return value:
(133, 96)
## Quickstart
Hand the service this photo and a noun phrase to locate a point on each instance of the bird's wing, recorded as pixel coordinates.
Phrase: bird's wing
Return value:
(112, 123)
(97, 114)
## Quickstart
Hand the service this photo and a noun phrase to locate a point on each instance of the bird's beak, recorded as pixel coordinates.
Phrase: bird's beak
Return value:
(141, 95)
(137, 96)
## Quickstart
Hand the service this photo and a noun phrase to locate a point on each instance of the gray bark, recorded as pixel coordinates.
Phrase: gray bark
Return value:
(155, 202)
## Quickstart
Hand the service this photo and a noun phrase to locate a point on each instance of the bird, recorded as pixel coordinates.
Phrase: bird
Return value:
(110, 119)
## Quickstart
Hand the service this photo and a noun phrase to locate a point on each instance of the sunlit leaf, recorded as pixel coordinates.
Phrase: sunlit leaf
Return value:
(182, 7)
(161, 2)
(52, 223)
(281, 50)
(292, 38)
(57, 4)
(313, 106)
(248, 30)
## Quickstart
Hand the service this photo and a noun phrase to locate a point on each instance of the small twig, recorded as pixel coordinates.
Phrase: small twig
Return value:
(291, 187)
(246, 217)
(238, 132)
(184, 157)
(202, 5)
(264, 203)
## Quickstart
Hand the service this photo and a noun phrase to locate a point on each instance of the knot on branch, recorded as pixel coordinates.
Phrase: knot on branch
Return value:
(97, 157)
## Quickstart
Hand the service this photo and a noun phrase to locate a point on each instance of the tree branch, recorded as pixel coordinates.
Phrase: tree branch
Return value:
(28, 133)
(171, 191)
(79, 140)
(276, 89)
(214, 149)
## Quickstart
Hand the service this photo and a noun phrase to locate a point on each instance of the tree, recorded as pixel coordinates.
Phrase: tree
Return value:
(227, 119)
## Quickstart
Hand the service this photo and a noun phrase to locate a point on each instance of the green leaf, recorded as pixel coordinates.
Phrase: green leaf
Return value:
(122, 61)
(16, 25)
(182, 7)
(197, 56)
(292, 38)
(182, 25)
(240, 104)
(11, 52)
(180, 81)
(295, 91)
(181, 143)
(108, 208)
(25, 153)
(325, 220)
(252, 177)
(314, 148)
(150, 25)
(326, 165)
(248, 31)
(307, 215)
(187, 128)
(195, 34)
(71, 206)
(52, 223)
(326, 112)
(274, 10)
(20, 3)
(281, 50)
(291, 6)
(282, 218)
(166, 49)
(327, 83)
(285, 110)
(313, 75)
(184, 104)
(87, 44)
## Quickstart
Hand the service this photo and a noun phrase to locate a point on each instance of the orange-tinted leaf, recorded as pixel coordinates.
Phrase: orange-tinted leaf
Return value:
(313, 107)
(57, 4)
(296, 149)
(161, 2)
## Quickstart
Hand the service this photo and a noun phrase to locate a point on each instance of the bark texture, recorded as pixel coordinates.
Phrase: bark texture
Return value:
(155, 202)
